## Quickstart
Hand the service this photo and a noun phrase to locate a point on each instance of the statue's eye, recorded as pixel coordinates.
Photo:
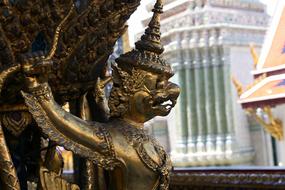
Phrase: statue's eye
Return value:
(150, 81)
(160, 83)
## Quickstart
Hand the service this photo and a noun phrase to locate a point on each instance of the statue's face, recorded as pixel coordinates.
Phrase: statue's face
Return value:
(157, 98)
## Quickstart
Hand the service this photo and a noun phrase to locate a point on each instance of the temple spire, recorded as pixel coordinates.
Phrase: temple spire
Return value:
(150, 41)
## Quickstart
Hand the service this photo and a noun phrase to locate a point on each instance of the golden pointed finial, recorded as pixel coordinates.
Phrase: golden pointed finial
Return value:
(273, 125)
(238, 86)
(150, 41)
(253, 54)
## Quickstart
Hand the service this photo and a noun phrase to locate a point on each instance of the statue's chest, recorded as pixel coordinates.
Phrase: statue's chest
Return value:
(144, 158)
(150, 151)
(135, 144)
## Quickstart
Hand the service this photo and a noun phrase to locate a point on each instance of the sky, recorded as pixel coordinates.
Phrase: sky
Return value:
(270, 5)
(135, 25)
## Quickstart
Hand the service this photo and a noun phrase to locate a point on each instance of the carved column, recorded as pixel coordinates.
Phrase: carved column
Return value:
(212, 109)
(209, 98)
(229, 130)
(191, 99)
(200, 99)
(218, 78)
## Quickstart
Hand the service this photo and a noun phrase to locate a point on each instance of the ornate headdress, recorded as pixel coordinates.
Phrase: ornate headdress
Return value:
(146, 56)
(147, 52)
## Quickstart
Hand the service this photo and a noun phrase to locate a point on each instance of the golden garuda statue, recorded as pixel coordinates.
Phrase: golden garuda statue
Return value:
(54, 53)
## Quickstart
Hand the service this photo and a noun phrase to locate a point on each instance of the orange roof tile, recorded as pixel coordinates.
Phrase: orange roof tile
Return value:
(268, 89)
(273, 52)
(271, 89)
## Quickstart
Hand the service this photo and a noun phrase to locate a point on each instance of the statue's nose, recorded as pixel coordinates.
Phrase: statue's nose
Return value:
(173, 90)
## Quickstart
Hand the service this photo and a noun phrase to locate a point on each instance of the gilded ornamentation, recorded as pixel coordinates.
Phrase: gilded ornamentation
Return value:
(137, 138)
(128, 84)
(254, 55)
(105, 143)
(272, 125)
(85, 32)
(8, 174)
(16, 122)
(238, 86)
(256, 81)
(240, 89)
(59, 57)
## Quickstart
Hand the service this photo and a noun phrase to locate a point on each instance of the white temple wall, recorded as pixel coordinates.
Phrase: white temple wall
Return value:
(240, 59)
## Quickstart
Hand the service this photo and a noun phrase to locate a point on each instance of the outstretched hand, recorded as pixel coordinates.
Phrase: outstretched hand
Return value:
(36, 69)
(35, 64)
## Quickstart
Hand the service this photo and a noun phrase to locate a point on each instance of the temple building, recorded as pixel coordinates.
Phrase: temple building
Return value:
(265, 97)
(207, 41)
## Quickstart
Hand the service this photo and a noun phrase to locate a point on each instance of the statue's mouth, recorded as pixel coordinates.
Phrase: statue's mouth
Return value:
(163, 100)
(164, 104)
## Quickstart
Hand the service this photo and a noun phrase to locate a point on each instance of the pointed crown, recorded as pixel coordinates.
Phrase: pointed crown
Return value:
(148, 50)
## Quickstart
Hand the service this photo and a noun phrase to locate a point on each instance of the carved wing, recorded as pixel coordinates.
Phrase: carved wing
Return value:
(25, 26)
(108, 160)
(81, 39)
(86, 45)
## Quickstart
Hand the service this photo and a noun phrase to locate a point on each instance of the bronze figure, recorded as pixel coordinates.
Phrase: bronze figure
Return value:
(114, 139)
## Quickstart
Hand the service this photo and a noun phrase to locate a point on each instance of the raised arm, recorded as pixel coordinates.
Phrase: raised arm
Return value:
(88, 139)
